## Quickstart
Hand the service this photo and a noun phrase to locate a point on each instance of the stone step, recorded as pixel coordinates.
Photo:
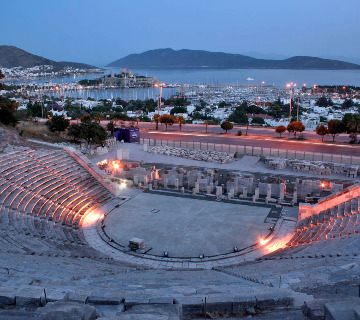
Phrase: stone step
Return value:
(342, 310)
(17, 314)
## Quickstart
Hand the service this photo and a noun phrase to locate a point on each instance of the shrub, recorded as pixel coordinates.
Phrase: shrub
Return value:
(226, 125)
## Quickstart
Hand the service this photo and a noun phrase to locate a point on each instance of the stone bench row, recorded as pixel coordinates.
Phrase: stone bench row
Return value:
(337, 221)
(332, 247)
(55, 205)
(347, 208)
(24, 234)
(336, 228)
(40, 228)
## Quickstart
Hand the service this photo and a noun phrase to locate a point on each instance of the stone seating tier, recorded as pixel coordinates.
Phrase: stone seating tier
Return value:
(45, 196)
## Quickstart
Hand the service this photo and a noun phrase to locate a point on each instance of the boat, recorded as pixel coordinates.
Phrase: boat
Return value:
(249, 79)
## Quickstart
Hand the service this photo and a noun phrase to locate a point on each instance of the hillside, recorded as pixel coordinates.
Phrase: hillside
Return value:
(77, 65)
(11, 57)
(170, 58)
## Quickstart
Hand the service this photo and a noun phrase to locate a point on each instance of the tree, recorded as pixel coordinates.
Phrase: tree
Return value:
(280, 130)
(239, 116)
(7, 107)
(226, 125)
(35, 109)
(177, 102)
(156, 119)
(75, 131)
(178, 109)
(111, 127)
(98, 117)
(1, 77)
(7, 111)
(224, 104)
(346, 119)
(276, 111)
(85, 118)
(322, 102)
(93, 132)
(206, 126)
(295, 126)
(347, 104)
(258, 120)
(322, 131)
(322, 119)
(335, 127)
(57, 124)
(354, 126)
(167, 119)
(180, 120)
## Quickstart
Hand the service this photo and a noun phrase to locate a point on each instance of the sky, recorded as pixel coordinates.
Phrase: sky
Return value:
(101, 31)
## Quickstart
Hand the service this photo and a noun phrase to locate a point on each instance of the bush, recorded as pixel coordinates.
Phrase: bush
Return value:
(322, 131)
(57, 124)
(239, 133)
(258, 120)
(280, 130)
(7, 117)
(226, 125)
(295, 126)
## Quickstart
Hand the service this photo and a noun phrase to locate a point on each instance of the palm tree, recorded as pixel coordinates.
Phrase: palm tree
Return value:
(98, 117)
(180, 120)
(354, 126)
(115, 120)
(156, 119)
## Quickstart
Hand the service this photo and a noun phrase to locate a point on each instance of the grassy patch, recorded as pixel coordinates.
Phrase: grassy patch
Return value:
(39, 131)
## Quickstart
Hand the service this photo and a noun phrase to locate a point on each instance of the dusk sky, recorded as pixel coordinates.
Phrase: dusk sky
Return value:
(99, 32)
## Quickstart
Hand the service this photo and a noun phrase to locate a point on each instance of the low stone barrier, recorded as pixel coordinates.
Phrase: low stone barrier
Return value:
(200, 155)
(316, 167)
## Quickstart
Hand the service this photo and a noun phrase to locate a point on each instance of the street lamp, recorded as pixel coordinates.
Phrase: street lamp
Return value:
(291, 86)
(159, 102)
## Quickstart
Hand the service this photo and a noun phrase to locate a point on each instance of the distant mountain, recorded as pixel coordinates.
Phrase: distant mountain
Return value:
(268, 56)
(342, 58)
(169, 58)
(11, 57)
(76, 65)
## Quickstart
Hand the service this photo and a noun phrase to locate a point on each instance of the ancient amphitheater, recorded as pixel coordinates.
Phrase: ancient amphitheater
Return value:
(65, 253)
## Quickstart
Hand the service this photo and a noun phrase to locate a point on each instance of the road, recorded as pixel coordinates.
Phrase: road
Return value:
(258, 137)
(252, 130)
(266, 142)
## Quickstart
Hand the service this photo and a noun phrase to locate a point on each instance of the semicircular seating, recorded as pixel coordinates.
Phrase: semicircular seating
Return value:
(43, 199)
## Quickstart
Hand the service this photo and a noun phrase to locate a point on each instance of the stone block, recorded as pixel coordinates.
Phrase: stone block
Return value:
(29, 297)
(131, 301)
(79, 297)
(242, 303)
(314, 309)
(271, 300)
(104, 310)
(6, 298)
(66, 310)
(222, 303)
(16, 314)
(161, 300)
(103, 300)
(190, 305)
(56, 295)
(341, 310)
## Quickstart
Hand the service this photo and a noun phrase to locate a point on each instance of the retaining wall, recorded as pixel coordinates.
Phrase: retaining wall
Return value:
(93, 170)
